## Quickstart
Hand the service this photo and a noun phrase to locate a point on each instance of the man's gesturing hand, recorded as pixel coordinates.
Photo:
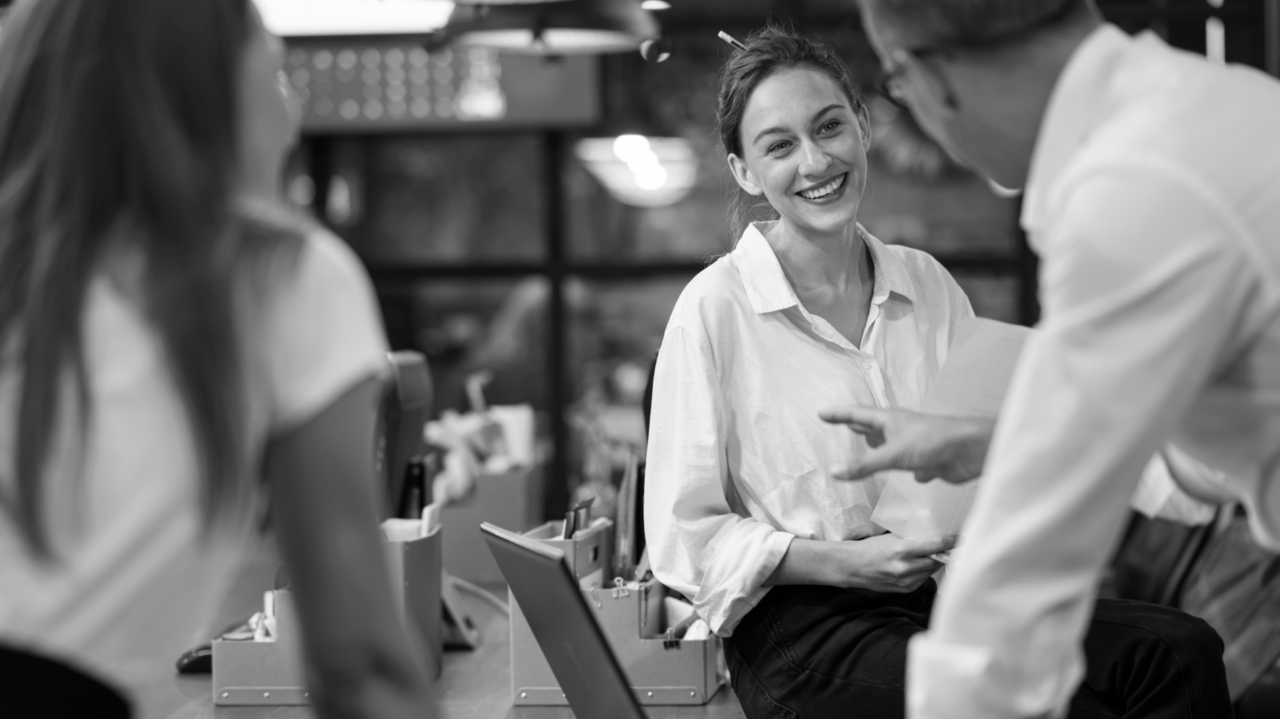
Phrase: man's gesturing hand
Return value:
(948, 448)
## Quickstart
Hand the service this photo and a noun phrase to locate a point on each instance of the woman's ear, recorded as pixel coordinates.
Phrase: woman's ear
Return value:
(743, 176)
(864, 124)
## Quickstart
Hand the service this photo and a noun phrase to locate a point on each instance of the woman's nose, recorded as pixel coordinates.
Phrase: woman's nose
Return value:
(815, 159)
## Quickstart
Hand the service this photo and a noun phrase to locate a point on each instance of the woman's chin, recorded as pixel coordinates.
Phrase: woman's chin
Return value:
(831, 220)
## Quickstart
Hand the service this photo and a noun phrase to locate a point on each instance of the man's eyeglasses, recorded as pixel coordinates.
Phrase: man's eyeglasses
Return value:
(889, 81)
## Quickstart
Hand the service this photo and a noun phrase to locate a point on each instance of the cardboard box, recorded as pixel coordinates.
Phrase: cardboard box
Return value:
(512, 500)
(272, 672)
(661, 672)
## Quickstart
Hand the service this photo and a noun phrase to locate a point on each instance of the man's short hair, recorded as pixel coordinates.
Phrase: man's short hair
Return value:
(972, 23)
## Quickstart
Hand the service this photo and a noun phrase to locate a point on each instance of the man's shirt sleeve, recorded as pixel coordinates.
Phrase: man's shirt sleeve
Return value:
(1143, 286)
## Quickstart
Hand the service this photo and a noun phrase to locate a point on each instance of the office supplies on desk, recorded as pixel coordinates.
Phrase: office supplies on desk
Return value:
(258, 672)
(631, 615)
(430, 518)
(402, 530)
(628, 520)
(586, 668)
(576, 518)
(491, 441)
(512, 500)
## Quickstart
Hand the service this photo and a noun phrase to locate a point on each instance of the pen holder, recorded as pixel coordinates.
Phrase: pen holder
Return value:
(588, 552)
(416, 569)
(660, 671)
(268, 673)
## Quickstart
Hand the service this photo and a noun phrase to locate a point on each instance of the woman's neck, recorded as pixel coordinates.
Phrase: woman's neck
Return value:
(812, 262)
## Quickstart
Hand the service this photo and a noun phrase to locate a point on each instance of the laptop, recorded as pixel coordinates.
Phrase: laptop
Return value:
(589, 674)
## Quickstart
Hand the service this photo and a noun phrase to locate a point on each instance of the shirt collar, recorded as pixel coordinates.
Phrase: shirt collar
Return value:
(767, 285)
(1075, 107)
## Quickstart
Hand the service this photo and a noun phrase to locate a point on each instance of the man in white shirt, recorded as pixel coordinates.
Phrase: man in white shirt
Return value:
(1150, 196)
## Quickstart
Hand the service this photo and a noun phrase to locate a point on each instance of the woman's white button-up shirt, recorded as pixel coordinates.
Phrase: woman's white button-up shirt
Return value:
(738, 461)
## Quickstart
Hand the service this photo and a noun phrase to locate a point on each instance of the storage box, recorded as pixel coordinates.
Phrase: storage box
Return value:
(272, 672)
(588, 553)
(252, 673)
(511, 499)
(661, 672)
(416, 567)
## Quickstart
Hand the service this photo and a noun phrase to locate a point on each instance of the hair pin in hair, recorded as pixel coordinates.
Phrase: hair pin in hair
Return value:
(732, 40)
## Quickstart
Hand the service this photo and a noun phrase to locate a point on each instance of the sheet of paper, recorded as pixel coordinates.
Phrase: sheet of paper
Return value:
(972, 382)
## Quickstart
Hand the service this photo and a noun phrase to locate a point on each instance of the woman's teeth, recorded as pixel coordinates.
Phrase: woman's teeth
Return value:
(827, 189)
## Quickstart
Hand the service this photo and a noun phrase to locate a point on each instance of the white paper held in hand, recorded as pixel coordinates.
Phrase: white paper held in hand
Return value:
(972, 383)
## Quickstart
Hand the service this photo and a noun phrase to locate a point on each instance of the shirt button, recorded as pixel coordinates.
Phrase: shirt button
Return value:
(867, 364)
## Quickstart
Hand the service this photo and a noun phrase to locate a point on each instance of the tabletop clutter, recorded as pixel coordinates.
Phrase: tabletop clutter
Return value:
(669, 655)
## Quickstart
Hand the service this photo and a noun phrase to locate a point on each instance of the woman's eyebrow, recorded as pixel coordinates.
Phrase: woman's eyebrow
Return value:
(770, 131)
(779, 130)
(828, 108)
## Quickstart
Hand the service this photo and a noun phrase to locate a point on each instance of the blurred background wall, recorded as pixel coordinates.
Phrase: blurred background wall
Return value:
(506, 230)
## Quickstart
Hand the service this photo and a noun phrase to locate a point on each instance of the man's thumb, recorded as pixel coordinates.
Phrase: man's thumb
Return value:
(877, 460)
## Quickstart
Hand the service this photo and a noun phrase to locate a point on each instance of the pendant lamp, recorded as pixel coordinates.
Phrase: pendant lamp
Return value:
(638, 155)
(561, 27)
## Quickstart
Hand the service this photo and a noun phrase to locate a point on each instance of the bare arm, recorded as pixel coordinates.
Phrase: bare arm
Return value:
(359, 661)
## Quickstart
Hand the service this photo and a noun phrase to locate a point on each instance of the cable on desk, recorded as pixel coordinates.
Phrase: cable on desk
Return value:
(483, 594)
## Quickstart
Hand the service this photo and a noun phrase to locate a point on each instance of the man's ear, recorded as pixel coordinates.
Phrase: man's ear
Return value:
(864, 124)
(743, 176)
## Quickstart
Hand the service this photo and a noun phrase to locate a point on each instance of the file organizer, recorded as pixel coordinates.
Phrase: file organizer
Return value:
(272, 672)
(510, 499)
(661, 672)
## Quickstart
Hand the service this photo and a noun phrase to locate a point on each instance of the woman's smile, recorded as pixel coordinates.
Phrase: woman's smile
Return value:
(827, 191)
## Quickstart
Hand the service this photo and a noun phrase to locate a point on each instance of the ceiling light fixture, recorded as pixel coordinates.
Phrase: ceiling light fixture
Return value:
(562, 27)
(641, 171)
(315, 18)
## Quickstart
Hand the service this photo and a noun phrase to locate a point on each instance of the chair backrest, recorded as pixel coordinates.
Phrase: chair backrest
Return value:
(403, 413)
(647, 407)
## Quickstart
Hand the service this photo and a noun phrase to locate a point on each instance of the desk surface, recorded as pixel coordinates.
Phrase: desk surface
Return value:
(475, 685)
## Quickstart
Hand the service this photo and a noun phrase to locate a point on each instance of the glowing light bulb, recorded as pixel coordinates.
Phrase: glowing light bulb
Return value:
(650, 177)
(629, 148)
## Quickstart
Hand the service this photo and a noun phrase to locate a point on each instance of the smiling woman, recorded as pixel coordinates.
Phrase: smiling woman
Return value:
(809, 310)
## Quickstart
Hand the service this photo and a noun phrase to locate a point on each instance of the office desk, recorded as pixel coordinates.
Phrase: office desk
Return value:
(475, 685)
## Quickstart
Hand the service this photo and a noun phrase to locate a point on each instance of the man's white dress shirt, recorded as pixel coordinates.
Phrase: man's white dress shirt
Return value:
(1153, 201)
(738, 460)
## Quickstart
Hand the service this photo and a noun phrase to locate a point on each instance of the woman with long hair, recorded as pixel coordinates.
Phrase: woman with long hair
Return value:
(810, 311)
(171, 352)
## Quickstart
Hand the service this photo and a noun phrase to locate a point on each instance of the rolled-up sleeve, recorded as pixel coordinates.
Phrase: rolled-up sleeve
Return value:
(1144, 284)
(698, 545)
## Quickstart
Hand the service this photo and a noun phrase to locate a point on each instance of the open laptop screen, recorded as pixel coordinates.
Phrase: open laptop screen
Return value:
(575, 647)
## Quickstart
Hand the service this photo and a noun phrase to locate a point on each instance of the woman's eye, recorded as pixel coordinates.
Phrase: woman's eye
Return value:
(777, 147)
(831, 126)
